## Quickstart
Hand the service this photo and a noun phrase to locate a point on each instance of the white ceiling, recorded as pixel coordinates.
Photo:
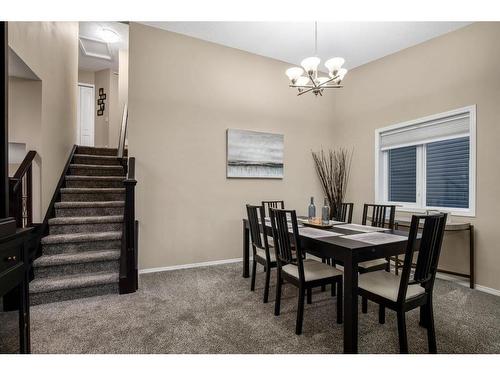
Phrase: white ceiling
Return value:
(92, 30)
(358, 42)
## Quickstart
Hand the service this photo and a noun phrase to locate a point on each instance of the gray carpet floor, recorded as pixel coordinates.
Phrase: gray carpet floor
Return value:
(212, 310)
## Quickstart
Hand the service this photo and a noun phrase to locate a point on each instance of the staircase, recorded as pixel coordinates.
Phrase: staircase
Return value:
(81, 253)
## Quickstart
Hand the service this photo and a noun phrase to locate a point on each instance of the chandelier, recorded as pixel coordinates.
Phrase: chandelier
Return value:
(311, 81)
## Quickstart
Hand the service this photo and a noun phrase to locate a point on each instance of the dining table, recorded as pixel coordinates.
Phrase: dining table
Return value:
(348, 244)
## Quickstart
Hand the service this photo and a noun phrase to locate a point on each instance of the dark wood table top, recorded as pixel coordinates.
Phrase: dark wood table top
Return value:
(338, 245)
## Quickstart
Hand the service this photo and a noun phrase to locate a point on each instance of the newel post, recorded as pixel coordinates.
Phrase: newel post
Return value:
(128, 259)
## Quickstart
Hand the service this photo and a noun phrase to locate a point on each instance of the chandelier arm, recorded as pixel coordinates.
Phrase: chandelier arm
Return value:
(312, 80)
(303, 92)
(332, 87)
(330, 80)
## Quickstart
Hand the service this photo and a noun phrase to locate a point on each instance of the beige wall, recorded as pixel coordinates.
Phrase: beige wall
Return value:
(114, 111)
(50, 49)
(184, 94)
(84, 76)
(452, 71)
(123, 80)
(101, 132)
(25, 126)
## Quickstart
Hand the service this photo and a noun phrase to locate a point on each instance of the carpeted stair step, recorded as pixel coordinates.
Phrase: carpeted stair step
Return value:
(77, 263)
(96, 159)
(94, 181)
(73, 209)
(79, 242)
(54, 289)
(104, 151)
(95, 170)
(85, 224)
(92, 194)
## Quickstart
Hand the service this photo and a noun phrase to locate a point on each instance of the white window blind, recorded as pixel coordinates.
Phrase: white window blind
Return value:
(430, 131)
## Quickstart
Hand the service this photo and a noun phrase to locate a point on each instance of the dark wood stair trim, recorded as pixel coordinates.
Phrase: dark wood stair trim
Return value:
(51, 210)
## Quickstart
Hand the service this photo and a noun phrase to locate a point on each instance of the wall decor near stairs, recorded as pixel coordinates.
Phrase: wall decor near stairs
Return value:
(101, 102)
(81, 253)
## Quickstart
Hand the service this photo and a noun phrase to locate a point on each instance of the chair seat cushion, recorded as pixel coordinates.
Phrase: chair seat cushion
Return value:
(372, 263)
(262, 254)
(313, 270)
(386, 284)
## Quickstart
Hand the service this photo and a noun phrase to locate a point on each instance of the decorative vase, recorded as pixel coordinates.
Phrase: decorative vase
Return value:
(312, 210)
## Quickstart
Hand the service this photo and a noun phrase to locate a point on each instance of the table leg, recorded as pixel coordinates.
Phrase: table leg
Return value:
(471, 255)
(350, 306)
(246, 251)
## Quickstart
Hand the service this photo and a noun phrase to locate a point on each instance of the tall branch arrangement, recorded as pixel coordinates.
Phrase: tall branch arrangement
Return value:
(333, 167)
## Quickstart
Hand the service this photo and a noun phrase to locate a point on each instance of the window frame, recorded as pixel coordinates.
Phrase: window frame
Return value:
(382, 163)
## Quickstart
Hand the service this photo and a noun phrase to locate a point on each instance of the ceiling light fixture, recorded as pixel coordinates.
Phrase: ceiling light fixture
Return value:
(311, 81)
(109, 35)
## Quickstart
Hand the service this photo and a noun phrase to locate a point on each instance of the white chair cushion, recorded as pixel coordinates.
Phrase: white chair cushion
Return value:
(313, 270)
(386, 284)
(372, 263)
(262, 254)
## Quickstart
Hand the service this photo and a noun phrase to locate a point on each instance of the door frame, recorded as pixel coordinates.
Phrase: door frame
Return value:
(92, 86)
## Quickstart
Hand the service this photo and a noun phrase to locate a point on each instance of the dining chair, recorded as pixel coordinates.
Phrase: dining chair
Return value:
(303, 273)
(378, 218)
(345, 213)
(260, 246)
(272, 204)
(407, 292)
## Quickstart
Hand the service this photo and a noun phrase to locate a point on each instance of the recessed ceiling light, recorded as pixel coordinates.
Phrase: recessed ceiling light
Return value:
(109, 35)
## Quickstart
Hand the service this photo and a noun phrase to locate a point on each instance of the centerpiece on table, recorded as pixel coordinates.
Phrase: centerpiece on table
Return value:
(333, 167)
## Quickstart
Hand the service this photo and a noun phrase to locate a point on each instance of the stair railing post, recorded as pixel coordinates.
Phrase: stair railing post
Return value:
(16, 201)
(128, 258)
(29, 196)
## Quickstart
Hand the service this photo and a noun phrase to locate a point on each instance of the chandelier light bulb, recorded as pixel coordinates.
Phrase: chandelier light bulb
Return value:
(310, 64)
(333, 65)
(109, 35)
(302, 81)
(294, 73)
(341, 73)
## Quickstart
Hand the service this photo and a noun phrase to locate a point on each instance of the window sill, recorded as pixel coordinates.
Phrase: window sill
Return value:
(450, 211)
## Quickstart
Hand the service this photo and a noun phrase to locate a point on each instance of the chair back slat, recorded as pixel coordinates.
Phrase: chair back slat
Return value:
(379, 215)
(272, 204)
(257, 226)
(430, 247)
(429, 250)
(345, 212)
(286, 238)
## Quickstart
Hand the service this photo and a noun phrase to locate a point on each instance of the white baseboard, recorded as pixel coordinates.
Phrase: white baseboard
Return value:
(465, 282)
(191, 265)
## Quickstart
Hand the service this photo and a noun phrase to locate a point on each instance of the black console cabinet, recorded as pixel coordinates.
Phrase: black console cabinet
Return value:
(14, 276)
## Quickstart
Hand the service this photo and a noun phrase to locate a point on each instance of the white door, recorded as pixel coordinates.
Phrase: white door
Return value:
(86, 115)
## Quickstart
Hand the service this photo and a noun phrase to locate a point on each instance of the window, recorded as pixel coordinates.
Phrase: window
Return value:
(428, 163)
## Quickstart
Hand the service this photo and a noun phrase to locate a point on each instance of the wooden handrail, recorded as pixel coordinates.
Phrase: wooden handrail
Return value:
(129, 249)
(23, 168)
(21, 192)
(123, 132)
